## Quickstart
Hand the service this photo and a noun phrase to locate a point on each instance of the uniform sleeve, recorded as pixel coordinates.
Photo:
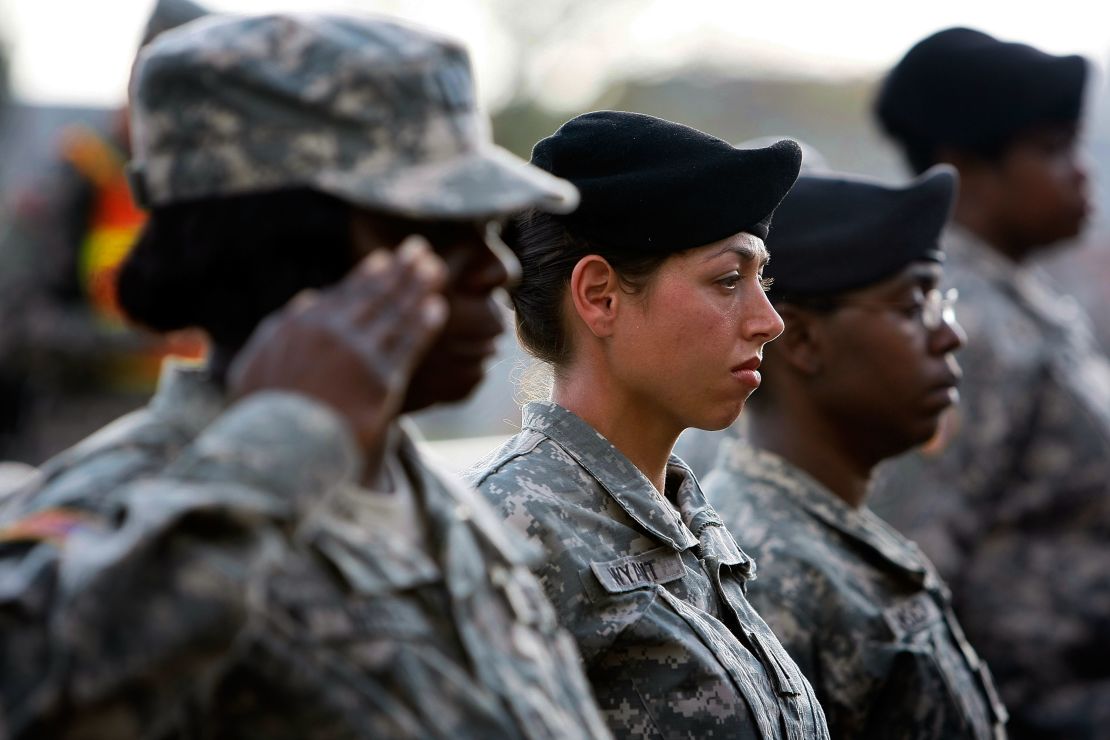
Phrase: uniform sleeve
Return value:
(114, 620)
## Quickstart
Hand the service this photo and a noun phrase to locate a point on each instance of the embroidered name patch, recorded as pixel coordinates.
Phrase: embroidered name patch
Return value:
(912, 615)
(661, 565)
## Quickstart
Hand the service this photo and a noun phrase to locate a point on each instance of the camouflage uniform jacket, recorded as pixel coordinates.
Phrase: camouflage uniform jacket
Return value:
(652, 591)
(176, 576)
(1020, 523)
(857, 605)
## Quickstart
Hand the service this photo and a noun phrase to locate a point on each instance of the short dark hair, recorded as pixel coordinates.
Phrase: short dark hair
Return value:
(224, 264)
(548, 252)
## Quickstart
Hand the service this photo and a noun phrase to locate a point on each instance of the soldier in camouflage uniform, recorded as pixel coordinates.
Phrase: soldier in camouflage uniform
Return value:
(638, 565)
(262, 551)
(863, 371)
(1019, 517)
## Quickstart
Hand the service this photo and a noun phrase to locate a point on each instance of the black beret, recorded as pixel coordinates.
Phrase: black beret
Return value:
(656, 187)
(964, 88)
(835, 232)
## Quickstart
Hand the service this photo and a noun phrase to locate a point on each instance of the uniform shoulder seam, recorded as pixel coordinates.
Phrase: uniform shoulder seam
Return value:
(498, 459)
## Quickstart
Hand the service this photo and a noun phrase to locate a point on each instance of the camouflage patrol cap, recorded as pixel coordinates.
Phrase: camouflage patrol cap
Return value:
(373, 112)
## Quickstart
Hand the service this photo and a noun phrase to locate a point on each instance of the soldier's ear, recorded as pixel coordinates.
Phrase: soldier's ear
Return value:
(595, 294)
(802, 340)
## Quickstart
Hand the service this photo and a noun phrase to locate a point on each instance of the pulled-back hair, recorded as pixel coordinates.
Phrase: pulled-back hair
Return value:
(548, 252)
(223, 264)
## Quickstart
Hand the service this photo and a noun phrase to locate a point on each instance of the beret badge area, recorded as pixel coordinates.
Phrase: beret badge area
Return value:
(651, 186)
(836, 232)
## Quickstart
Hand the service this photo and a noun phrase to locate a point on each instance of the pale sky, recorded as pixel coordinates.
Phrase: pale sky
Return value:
(79, 51)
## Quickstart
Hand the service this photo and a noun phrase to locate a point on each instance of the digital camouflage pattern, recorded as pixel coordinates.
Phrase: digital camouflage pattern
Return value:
(1018, 516)
(187, 573)
(373, 112)
(652, 591)
(858, 606)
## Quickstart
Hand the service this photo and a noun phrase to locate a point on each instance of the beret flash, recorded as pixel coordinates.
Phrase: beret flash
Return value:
(836, 232)
(655, 187)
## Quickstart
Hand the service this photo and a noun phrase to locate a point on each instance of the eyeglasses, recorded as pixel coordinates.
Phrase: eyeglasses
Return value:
(936, 308)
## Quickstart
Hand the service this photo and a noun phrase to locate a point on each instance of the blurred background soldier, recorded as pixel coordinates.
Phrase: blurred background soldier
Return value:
(862, 372)
(69, 363)
(1018, 518)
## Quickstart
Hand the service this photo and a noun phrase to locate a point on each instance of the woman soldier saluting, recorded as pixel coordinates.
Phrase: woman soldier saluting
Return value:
(649, 304)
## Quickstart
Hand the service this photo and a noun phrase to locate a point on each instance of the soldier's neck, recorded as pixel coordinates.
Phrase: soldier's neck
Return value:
(817, 451)
(988, 230)
(630, 425)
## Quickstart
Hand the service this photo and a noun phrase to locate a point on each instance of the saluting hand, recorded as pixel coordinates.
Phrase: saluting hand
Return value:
(353, 346)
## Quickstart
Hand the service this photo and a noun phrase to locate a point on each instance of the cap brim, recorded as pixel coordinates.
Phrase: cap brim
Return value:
(489, 182)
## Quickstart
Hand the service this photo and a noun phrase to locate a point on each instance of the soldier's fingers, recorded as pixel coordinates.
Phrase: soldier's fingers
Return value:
(374, 272)
(433, 317)
(380, 299)
(416, 250)
(400, 306)
(382, 276)
(420, 271)
(303, 301)
(367, 284)
(385, 316)
(375, 264)
(394, 350)
(405, 317)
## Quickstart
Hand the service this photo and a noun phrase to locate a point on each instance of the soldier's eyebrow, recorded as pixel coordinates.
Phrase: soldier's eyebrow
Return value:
(921, 276)
(747, 250)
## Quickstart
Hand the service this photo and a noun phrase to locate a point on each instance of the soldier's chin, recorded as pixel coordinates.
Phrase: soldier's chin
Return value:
(921, 435)
(1062, 233)
(720, 417)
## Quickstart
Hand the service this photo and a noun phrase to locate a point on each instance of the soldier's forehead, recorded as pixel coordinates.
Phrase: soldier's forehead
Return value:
(748, 247)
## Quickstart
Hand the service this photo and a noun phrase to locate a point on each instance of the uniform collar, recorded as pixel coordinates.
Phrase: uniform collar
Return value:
(780, 479)
(1028, 285)
(622, 480)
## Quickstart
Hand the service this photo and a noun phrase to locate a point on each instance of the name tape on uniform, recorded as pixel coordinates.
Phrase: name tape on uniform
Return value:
(912, 615)
(661, 565)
